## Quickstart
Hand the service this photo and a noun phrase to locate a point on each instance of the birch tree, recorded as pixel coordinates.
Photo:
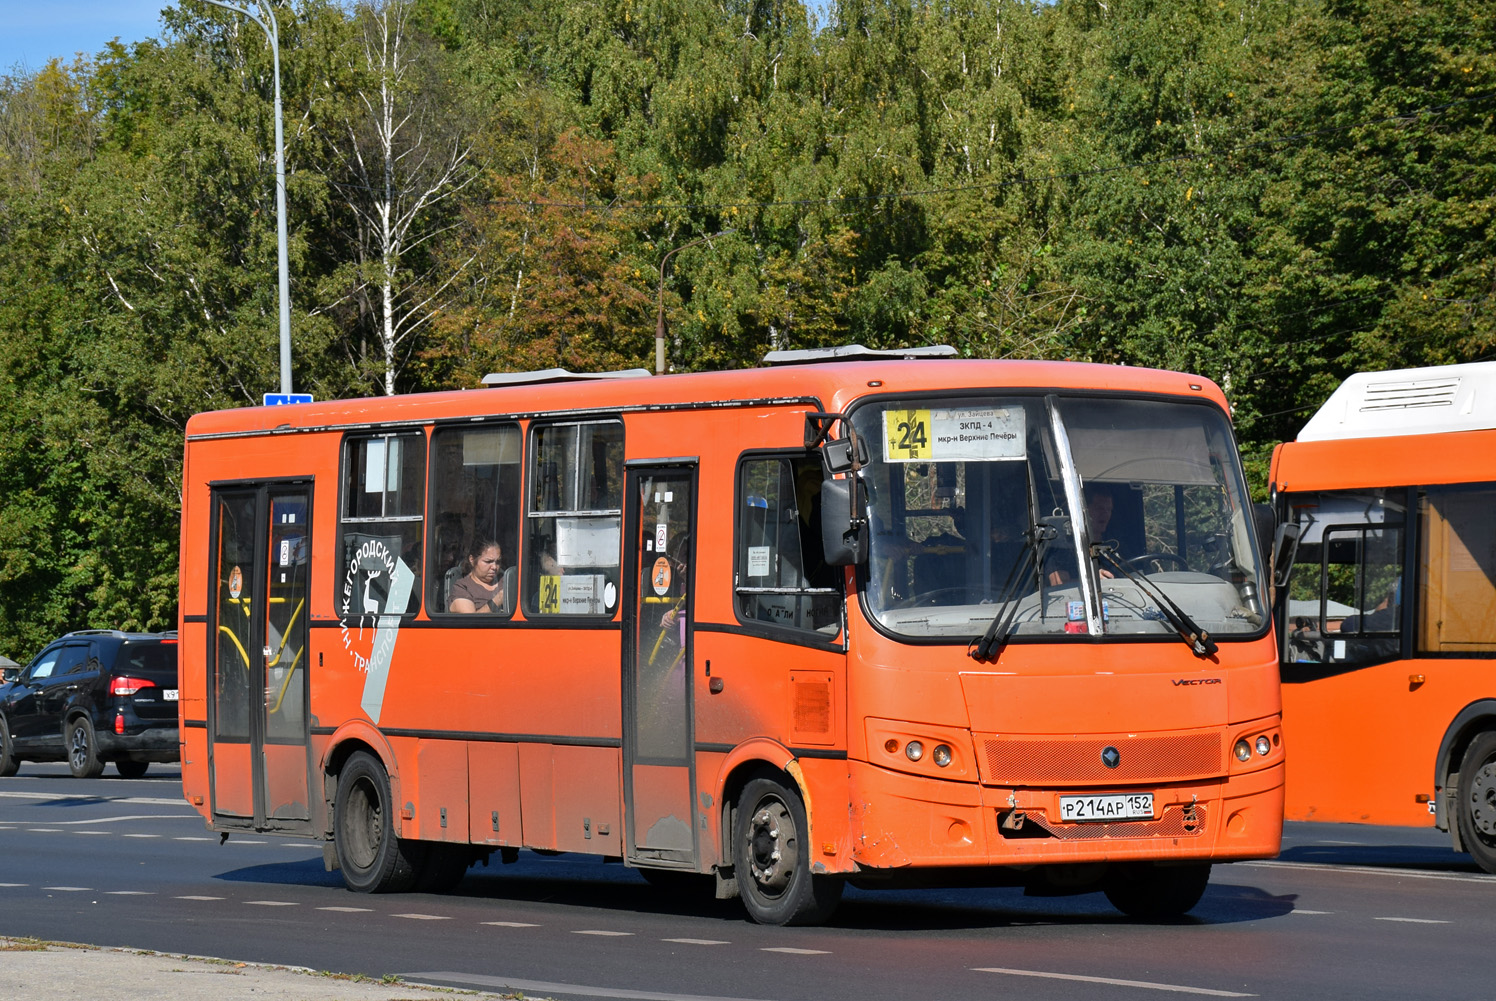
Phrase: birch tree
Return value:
(406, 156)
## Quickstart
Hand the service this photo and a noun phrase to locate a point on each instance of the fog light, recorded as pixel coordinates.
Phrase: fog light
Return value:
(914, 750)
(1243, 750)
(942, 755)
(1264, 745)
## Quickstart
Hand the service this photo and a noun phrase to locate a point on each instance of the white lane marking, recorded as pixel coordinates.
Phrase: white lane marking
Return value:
(347, 910)
(423, 917)
(43, 830)
(14, 884)
(545, 987)
(273, 903)
(1115, 982)
(1416, 921)
(105, 833)
(195, 897)
(69, 889)
(1301, 910)
(1367, 870)
(130, 893)
(142, 835)
(231, 841)
(141, 800)
(604, 932)
(696, 941)
(194, 838)
(131, 816)
(796, 952)
(511, 924)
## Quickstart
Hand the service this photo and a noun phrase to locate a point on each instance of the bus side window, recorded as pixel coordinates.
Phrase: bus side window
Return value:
(781, 573)
(384, 500)
(574, 525)
(1457, 567)
(475, 498)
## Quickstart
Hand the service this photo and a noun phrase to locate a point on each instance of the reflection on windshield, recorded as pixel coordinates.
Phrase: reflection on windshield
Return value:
(993, 510)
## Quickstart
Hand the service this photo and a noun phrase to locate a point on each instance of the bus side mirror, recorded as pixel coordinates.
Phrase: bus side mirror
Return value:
(843, 521)
(1267, 527)
(1285, 549)
(836, 456)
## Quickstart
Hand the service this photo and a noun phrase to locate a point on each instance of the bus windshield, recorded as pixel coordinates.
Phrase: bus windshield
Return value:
(973, 513)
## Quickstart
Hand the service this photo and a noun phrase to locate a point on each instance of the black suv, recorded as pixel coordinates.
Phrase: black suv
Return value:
(94, 696)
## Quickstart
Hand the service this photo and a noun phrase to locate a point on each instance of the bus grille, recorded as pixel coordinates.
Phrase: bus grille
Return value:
(1177, 822)
(1049, 761)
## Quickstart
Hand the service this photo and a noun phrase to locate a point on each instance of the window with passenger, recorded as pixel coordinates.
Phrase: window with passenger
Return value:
(475, 516)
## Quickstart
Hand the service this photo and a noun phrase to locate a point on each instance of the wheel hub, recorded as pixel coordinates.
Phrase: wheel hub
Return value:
(1483, 800)
(771, 847)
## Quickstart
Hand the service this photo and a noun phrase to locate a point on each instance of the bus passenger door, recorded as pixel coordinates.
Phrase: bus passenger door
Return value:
(659, 771)
(257, 674)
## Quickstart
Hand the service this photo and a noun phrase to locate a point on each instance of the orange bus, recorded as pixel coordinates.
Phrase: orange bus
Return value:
(830, 619)
(1388, 604)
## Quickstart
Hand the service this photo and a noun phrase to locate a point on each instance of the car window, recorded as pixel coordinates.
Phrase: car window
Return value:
(74, 660)
(147, 658)
(43, 665)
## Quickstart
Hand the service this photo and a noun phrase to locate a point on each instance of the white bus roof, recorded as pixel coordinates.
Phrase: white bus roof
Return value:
(1408, 401)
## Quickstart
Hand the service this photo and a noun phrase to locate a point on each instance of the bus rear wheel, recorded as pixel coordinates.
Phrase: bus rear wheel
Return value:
(1156, 892)
(771, 856)
(1477, 801)
(371, 858)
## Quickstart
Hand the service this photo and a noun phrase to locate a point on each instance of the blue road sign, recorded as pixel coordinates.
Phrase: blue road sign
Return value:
(281, 399)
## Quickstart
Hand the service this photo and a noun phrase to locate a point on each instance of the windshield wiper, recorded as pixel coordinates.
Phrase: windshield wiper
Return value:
(1035, 543)
(1198, 639)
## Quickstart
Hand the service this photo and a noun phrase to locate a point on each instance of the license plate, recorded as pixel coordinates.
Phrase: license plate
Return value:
(169, 695)
(1122, 806)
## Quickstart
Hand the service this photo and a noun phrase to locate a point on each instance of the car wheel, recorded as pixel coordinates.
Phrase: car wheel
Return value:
(9, 763)
(1476, 801)
(1157, 892)
(771, 857)
(131, 769)
(83, 749)
(371, 858)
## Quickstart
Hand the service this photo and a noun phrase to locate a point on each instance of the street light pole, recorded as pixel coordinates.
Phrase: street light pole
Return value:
(272, 31)
(660, 314)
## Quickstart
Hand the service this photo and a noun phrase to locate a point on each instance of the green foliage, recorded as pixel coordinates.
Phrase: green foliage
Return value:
(1271, 194)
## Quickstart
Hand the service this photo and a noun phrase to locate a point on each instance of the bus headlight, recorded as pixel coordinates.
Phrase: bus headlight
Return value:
(942, 755)
(1264, 746)
(914, 750)
(1243, 750)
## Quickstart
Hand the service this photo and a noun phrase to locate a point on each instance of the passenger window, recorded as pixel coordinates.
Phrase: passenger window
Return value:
(382, 518)
(574, 526)
(475, 503)
(74, 660)
(782, 578)
(1457, 565)
(1345, 589)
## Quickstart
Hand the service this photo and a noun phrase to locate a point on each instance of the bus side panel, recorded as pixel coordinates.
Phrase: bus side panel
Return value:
(1367, 771)
(493, 794)
(443, 802)
(587, 793)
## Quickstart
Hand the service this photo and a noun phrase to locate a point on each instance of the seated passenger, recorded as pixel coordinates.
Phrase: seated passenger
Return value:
(1099, 504)
(480, 588)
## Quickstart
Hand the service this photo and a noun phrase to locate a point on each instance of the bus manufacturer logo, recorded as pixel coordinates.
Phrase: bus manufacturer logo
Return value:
(1111, 757)
(1196, 681)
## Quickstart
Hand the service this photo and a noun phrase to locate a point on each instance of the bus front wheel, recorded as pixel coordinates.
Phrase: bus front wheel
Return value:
(771, 856)
(1477, 801)
(1156, 892)
(371, 858)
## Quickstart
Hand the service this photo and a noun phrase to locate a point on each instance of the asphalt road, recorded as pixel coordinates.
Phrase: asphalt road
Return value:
(1347, 912)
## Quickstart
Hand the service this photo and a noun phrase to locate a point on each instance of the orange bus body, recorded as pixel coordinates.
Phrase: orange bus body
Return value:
(518, 731)
(1378, 716)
